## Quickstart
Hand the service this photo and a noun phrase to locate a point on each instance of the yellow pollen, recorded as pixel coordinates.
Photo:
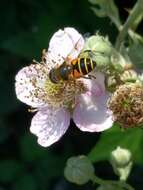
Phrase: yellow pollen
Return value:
(64, 93)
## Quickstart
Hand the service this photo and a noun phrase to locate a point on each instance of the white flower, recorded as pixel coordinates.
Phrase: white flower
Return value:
(83, 100)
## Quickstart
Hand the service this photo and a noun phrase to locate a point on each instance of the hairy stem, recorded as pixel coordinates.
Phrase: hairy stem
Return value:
(136, 11)
(122, 184)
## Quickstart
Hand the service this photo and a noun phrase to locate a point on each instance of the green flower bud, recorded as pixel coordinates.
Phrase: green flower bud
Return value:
(111, 83)
(99, 44)
(107, 58)
(119, 62)
(79, 170)
(120, 157)
(101, 50)
(141, 78)
(121, 162)
(129, 76)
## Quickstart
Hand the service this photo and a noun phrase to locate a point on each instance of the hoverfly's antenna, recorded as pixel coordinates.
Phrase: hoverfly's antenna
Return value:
(89, 77)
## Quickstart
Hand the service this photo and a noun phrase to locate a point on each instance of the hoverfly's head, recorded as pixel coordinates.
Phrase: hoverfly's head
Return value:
(65, 71)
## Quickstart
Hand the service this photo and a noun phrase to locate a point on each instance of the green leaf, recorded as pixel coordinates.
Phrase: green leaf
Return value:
(131, 139)
(27, 182)
(10, 170)
(135, 49)
(102, 8)
(30, 149)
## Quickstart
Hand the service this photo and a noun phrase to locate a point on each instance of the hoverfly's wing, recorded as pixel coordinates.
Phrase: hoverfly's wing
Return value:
(75, 51)
(58, 59)
(65, 45)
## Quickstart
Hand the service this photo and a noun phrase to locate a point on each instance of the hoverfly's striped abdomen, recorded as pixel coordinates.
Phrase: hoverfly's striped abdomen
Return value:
(83, 65)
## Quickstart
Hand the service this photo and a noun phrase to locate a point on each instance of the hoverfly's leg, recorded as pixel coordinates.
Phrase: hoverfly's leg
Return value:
(89, 77)
(92, 52)
(85, 77)
(92, 76)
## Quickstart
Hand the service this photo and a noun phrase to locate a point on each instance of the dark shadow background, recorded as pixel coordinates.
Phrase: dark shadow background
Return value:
(26, 28)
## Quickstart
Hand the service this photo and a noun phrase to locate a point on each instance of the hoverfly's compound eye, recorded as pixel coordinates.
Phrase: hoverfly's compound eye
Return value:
(52, 76)
(69, 68)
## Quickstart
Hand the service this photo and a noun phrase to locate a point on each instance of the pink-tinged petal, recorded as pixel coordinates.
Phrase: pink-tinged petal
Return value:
(97, 85)
(66, 43)
(49, 125)
(29, 85)
(91, 113)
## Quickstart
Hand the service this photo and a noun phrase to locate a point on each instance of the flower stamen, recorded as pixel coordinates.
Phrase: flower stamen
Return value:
(63, 93)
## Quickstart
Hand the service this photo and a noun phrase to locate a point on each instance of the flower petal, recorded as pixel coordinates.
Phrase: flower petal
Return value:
(95, 86)
(91, 113)
(65, 43)
(30, 83)
(50, 125)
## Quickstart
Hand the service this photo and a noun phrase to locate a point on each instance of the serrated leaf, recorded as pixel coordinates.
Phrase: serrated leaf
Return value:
(99, 12)
(136, 49)
(102, 8)
(131, 139)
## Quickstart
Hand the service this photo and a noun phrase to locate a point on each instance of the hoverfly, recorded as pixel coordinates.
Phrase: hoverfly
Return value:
(73, 69)
(77, 68)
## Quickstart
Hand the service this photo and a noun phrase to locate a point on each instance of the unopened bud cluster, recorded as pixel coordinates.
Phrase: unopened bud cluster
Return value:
(121, 80)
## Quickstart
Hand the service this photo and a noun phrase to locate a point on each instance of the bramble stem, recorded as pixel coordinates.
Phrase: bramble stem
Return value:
(136, 11)
(122, 184)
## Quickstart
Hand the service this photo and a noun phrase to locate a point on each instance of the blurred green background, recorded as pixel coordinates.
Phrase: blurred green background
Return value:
(26, 28)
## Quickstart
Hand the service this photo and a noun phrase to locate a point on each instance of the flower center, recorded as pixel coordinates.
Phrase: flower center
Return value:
(127, 105)
(64, 93)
